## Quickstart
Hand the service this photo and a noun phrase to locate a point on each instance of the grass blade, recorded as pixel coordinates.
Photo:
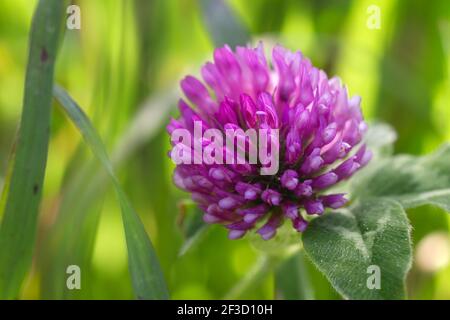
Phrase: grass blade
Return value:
(83, 197)
(7, 181)
(223, 25)
(146, 274)
(18, 229)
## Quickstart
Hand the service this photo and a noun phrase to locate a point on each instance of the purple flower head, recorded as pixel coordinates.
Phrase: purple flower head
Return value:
(319, 144)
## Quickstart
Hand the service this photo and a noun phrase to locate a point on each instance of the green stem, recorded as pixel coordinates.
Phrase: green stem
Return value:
(264, 265)
(292, 280)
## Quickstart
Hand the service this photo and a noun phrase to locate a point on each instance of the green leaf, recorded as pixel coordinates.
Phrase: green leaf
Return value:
(439, 198)
(413, 181)
(223, 25)
(345, 245)
(380, 138)
(146, 274)
(18, 229)
(292, 281)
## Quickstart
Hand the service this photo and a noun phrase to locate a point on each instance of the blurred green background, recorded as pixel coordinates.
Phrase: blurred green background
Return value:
(123, 68)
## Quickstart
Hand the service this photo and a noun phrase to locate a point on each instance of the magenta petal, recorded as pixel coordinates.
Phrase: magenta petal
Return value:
(198, 94)
(289, 179)
(324, 181)
(314, 206)
(290, 210)
(271, 197)
(300, 224)
(236, 234)
(269, 230)
(304, 189)
(334, 201)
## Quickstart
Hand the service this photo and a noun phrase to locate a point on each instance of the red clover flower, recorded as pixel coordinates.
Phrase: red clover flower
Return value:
(310, 127)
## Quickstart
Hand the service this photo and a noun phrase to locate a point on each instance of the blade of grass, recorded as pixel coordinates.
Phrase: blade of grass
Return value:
(7, 181)
(146, 274)
(223, 24)
(83, 197)
(71, 240)
(18, 229)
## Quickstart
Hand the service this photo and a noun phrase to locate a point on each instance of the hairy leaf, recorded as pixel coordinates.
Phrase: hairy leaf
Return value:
(355, 248)
(413, 181)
